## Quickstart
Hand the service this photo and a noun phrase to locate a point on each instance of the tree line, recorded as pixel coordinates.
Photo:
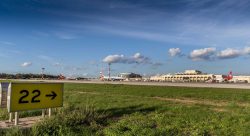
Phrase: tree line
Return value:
(27, 76)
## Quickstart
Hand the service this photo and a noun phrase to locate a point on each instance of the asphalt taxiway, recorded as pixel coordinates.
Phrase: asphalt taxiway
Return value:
(206, 85)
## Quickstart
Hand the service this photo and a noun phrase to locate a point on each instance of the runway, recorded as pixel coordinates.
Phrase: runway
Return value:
(206, 85)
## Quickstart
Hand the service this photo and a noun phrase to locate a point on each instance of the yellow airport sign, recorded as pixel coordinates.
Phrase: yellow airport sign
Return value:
(30, 96)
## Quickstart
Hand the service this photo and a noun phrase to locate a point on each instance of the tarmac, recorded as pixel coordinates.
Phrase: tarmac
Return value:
(179, 84)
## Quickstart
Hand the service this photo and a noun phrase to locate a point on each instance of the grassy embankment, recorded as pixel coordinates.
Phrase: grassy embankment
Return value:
(91, 109)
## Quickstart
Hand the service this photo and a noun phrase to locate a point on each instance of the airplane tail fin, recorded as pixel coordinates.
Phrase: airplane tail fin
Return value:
(230, 75)
(101, 76)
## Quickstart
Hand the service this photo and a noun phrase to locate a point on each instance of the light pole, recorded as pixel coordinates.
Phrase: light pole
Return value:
(43, 110)
(109, 70)
(43, 69)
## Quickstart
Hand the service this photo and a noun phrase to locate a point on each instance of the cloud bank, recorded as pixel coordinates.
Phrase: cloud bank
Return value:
(114, 59)
(211, 54)
(247, 50)
(202, 54)
(229, 53)
(174, 52)
(137, 58)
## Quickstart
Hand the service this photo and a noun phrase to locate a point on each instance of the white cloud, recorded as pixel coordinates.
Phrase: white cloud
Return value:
(203, 54)
(26, 64)
(246, 50)
(174, 52)
(114, 59)
(229, 53)
(136, 58)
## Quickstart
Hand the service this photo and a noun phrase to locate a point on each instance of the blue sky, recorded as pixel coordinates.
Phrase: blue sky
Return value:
(79, 37)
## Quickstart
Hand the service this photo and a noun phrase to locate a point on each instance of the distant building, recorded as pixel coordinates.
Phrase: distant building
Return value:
(131, 76)
(220, 78)
(241, 79)
(192, 72)
(187, 76)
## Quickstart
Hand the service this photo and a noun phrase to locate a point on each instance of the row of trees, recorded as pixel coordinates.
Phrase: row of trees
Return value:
(27, 76)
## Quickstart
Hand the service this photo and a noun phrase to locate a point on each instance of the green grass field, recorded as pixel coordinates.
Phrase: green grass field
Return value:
(114, 110)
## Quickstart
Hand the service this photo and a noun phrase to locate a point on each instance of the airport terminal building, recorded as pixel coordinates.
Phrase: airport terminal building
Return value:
(187, 76)
(198, 76)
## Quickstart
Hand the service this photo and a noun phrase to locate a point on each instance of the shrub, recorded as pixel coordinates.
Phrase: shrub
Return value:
(75, 122)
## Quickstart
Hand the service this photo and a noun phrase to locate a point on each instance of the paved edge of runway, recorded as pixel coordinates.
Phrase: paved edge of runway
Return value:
(201, 85)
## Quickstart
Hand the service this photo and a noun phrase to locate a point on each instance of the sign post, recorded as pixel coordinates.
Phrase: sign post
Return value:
(10, 117)
(16, 118)
(32, 96)
(50, 111)
(43, 113)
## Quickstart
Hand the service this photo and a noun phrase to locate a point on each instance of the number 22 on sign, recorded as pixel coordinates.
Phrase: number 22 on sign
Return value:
(30, 96)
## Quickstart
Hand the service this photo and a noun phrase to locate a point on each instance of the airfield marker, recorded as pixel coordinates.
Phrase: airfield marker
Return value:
(16, 118)
(10, 117)
(33, 95)
(43, 113)
(50, 111)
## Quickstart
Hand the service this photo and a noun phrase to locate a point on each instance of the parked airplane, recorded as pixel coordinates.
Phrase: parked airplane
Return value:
(229, 76)
(111, 78)
(61, 77)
